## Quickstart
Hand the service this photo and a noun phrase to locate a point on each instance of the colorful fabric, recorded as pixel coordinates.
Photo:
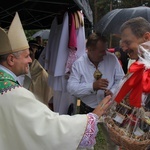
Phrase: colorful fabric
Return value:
(71, 59)
(88, 139)
(7, 82)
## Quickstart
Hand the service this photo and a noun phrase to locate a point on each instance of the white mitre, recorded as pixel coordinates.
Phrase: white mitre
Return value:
(15, 40)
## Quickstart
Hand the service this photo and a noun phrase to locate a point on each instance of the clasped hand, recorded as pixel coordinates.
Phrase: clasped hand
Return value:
(100, 84)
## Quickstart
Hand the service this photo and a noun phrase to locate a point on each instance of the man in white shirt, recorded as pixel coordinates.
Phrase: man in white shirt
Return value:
(89, 88)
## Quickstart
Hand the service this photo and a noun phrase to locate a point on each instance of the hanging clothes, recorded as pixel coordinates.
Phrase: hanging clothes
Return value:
(76, 42)
(57, 50)
(57, 55)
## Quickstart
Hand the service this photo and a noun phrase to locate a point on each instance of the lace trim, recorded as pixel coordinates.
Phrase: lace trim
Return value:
(88, 139)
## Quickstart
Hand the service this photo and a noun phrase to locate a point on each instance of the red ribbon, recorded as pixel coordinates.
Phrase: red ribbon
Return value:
(138, 83)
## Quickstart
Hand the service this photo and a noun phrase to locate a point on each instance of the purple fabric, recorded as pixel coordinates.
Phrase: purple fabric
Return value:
(88, 139)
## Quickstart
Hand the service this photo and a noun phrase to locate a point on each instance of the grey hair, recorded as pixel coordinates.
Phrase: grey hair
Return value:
(4, 57)
(139, 26)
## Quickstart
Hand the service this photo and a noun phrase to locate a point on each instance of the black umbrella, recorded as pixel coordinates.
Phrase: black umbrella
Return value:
(111, 22)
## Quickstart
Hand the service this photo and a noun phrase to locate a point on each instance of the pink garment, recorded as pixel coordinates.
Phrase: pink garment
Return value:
(71, 58)
(77, 40)
(72, 44)
(88, 139)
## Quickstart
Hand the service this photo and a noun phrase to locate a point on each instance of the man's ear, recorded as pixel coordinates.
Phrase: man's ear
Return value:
(10, 59)
(147, 36)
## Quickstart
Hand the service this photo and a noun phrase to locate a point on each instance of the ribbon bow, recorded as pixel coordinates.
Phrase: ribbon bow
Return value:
(138, 83)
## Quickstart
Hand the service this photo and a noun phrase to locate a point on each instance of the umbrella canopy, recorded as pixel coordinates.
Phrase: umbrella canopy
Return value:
(44, 34)
(111, 22)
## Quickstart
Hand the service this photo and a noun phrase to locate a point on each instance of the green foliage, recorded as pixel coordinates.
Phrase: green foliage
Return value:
(104, 6)
(29, 34)
(133, 3)
(100, 140)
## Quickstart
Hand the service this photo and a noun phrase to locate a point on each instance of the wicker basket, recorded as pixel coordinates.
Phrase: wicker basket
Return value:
(120, 137)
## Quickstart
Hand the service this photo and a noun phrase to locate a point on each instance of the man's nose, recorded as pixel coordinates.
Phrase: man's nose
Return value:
(30, 60)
